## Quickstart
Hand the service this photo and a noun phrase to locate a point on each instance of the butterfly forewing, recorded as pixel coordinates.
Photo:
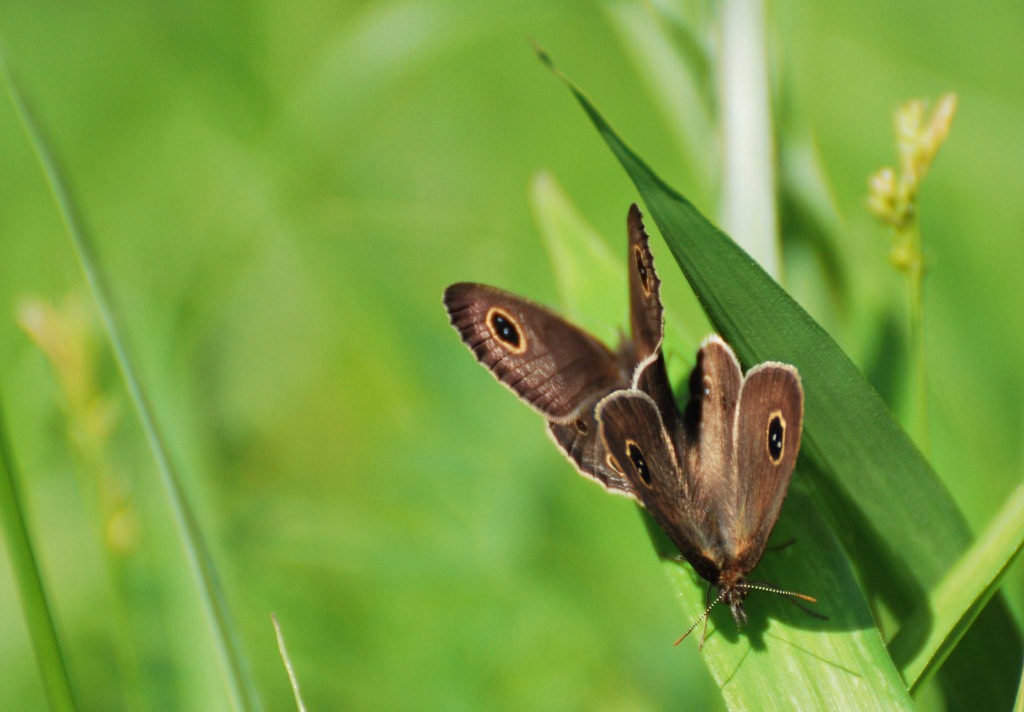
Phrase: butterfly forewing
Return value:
(647, 323)
(714, 477)
(551, 364)
(769, 417)
(645, 310)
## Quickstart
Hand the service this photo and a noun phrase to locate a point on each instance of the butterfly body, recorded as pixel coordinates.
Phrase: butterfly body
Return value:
(713, 476)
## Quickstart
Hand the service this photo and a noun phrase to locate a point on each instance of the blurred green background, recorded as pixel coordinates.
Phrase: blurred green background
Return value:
(279, 192)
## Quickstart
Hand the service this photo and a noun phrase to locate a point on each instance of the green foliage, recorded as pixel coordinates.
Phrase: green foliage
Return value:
(279, 192)
(855, 453)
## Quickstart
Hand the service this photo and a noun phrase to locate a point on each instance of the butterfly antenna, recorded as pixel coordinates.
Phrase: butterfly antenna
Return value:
(702, 617)
(704, 628)
(791, 596)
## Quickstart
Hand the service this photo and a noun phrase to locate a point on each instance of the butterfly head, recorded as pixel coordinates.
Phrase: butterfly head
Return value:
(733, 589)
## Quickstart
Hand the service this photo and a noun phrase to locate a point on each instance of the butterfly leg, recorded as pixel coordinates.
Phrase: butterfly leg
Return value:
(805, 609)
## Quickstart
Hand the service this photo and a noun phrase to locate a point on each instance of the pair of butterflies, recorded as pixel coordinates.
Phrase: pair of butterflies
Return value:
(713, 475)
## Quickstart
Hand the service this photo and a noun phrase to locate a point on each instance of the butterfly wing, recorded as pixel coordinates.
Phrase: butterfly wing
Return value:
(647, 323)
(580, 441)
(769, 421)
(646, 314)
(643, 450)
(708, 423)
(552, 365)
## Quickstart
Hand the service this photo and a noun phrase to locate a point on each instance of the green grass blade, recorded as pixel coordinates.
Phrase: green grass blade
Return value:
(798, 662)
(240, 689)
(956, 602)
(1018, 704)
(292, 679)
(41, 628)
(898, 523)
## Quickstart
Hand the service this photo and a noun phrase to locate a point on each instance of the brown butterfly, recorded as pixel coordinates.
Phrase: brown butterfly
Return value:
(713, 476)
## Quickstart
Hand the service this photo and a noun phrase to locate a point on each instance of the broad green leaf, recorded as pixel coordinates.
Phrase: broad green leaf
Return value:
(897, 521)
(785, 659)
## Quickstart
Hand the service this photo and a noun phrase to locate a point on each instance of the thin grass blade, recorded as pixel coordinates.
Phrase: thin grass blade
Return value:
(293, 680)
(41, 628)
(241, 691)
(961, 596)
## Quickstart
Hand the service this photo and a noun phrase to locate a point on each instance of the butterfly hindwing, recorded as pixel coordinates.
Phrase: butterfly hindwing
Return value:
(644, 452)
(713, 477)
(581, 442)
(708, 423)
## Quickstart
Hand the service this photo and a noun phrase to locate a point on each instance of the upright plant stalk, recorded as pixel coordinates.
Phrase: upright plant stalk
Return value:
(893, 199)
(69, 339)
(748, 211)
(915, 270)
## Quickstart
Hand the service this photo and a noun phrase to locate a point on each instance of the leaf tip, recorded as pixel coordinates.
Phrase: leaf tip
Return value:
(542, 54)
